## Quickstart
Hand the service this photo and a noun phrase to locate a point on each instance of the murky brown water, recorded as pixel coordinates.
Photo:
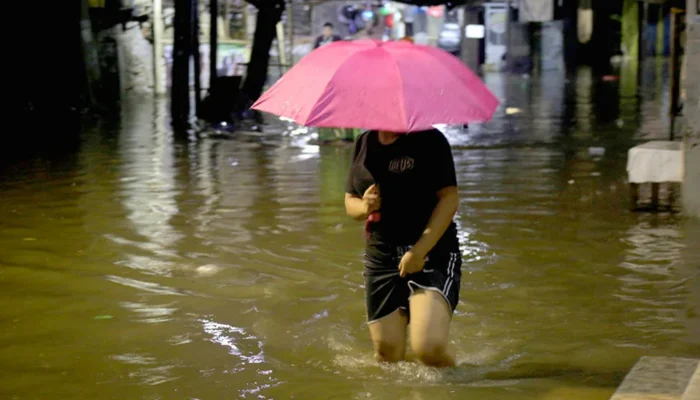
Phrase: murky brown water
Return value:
(148, 267)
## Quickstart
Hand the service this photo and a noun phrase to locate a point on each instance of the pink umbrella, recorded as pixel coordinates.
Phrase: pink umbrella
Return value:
(391, 86)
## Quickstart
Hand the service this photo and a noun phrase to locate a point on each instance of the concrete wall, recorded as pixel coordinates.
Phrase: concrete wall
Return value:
(471, 47)
(691, 186)
(301, 19)
(135, 58)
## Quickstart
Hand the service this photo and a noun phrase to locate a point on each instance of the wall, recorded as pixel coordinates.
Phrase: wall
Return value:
(301, 18)
(46, 82)
(135, 57)
(471, 48)
(691, 186)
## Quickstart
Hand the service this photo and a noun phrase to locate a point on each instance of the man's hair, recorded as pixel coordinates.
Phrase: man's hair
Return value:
(328, 25)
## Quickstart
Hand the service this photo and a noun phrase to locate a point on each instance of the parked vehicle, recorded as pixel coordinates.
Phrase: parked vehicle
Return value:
(450, 38)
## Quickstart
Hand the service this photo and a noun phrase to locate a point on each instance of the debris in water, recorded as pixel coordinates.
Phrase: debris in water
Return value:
(596, 151)
(104, 317)
(513, 110)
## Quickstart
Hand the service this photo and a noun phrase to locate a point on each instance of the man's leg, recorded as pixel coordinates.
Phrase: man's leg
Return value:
(430, 326)
(389, 337)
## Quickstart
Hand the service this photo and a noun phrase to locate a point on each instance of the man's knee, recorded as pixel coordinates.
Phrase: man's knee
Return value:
(388, 352)
(431, 353)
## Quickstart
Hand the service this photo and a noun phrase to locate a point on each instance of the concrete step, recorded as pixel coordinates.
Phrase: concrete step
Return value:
(692, 392)
(661, 378)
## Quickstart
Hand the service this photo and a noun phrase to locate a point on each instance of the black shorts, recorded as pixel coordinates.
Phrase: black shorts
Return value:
(386, 291)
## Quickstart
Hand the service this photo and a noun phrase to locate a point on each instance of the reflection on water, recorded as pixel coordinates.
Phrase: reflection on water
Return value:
(147, 190)
(220, 335)
(158, 267)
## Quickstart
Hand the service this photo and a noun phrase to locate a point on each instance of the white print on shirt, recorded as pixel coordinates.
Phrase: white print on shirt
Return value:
(401, 165)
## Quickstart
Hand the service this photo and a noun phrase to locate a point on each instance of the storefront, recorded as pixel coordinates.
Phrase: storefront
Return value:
(233, 47)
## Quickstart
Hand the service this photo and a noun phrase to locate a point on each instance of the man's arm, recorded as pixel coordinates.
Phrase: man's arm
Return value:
(440, 220)
(445, 181)
(359, 208)
(355, 207)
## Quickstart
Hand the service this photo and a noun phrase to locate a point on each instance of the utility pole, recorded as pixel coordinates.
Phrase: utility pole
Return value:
(90, 58)
(269, 14)
(290, 21)
(180, 101)
(213, 41)
(510, 57)
(644, 17)
(195, 54)
(158, 70)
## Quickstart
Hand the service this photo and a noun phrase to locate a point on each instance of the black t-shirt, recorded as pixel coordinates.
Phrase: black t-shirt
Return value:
(409, 172)
(322, 40)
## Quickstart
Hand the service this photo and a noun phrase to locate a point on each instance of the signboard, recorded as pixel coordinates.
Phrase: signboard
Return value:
(436, 11)
(475, 31)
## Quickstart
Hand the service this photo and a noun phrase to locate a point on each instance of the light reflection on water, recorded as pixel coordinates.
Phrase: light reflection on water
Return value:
(223, 335)
(228, 268)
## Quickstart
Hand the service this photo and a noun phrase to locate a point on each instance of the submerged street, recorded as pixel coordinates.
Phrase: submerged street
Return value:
(148, 266)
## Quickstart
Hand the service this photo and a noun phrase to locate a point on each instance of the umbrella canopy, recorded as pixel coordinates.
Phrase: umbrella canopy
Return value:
(390, 86)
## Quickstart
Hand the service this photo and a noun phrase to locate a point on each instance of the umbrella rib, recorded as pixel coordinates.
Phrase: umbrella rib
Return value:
(308, 119)
(449, 72)
(401, 99)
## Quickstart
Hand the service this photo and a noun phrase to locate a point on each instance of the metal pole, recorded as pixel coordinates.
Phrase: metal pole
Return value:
(197, 59)
(643, 9)
(643, 31)
(213, 41)
(227, 19)
(180, 92)
(281, 49)
(290, 21)
(509, 37)
(677, 20)
(92, 71)
(158, 66)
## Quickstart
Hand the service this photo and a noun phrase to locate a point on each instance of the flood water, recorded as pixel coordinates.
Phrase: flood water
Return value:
(148, 266)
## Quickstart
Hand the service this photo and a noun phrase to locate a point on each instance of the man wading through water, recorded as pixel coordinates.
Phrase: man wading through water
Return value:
(405, 187)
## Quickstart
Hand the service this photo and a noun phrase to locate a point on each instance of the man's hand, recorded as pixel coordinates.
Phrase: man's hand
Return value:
(411, 262)
(372, 199)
